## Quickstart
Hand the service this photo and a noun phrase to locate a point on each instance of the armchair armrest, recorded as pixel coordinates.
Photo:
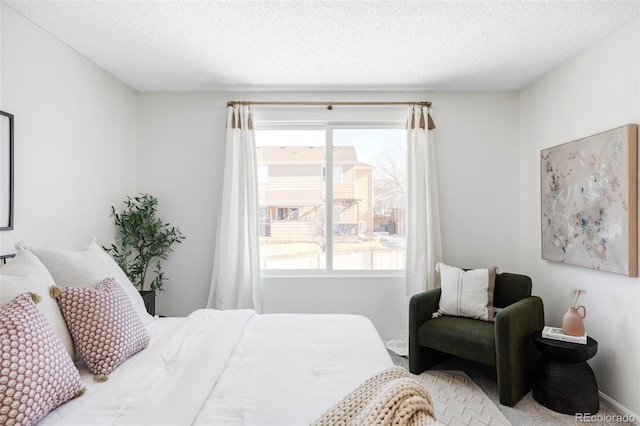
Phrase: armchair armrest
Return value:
(421, 307)
(515, 353)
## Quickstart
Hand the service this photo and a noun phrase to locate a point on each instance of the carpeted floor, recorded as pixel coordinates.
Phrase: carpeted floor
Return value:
(527, 411)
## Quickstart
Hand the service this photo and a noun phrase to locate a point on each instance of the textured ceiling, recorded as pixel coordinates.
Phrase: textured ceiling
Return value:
(327, 45)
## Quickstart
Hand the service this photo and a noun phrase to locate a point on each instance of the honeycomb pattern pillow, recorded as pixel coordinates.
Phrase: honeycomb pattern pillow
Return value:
(103, 323)
(467, 293)
(36, 373)
(26, 274)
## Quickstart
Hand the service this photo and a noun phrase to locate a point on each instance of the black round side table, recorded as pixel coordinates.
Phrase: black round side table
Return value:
(563, 381)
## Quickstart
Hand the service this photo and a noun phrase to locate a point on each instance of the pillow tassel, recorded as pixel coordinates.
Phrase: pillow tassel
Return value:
(100, 378)
(80, 393)
(55, 291)
(36, 298)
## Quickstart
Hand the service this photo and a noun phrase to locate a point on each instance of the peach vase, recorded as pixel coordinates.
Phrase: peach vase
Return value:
(573, 321)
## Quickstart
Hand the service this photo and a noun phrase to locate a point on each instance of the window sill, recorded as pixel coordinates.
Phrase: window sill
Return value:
(320, 273)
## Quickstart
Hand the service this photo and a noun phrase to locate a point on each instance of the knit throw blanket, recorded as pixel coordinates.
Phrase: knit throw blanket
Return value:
(391, 397)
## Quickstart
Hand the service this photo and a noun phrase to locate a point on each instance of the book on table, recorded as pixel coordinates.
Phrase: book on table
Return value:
(555, 333)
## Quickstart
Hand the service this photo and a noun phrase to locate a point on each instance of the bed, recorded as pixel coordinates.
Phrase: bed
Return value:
(267, 370)
(211, 367)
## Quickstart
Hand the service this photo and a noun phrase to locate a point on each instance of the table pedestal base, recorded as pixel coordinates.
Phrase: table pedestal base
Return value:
(567, 388)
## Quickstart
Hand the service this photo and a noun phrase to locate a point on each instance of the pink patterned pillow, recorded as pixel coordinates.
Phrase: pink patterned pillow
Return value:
(104, 325)
(36, 372)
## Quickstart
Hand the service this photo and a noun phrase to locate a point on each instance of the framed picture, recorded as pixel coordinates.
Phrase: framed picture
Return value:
(6, 171)
(589, 201)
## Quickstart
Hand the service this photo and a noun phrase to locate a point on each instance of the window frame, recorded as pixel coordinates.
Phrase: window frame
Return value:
(328, 179)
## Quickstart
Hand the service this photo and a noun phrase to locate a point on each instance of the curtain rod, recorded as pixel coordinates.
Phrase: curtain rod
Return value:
(329, 104)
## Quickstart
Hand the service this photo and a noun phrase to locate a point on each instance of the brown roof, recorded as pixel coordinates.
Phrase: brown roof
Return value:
(304, 154)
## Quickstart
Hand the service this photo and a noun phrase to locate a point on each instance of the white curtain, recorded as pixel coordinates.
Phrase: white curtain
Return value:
(236, 268)
(424, 248)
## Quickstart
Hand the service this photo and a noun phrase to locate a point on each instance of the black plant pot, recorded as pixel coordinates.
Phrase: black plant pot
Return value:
(149, 298)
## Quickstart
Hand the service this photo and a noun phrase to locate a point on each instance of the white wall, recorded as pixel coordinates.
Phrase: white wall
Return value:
(477, 154)
(180, 159)
(1, 9)
(595, 91)
(75, 130)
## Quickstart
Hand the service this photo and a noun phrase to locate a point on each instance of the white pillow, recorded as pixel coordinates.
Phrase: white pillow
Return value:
(86, 268)
(467, 293)
(26, 274)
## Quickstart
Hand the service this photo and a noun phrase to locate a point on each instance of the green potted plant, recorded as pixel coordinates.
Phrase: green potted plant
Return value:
(142, 243)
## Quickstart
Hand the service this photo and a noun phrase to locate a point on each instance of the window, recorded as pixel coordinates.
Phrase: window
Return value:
(351, 219)
(337, 174)
(288, 213)
(263, 174)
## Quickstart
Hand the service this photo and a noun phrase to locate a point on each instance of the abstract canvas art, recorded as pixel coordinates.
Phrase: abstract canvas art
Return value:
(589, 201)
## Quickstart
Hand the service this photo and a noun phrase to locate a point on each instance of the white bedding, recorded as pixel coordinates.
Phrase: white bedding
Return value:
(233, 367)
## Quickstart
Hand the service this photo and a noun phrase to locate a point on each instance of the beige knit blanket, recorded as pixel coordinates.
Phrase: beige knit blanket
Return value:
(391, 397)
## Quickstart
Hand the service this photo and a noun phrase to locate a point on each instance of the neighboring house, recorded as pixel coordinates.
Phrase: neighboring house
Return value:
(292, 192)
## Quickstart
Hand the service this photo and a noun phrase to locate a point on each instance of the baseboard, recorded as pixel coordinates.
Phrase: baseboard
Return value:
(626, 414)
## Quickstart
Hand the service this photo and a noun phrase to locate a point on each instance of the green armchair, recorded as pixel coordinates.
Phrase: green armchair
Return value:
(505, 344)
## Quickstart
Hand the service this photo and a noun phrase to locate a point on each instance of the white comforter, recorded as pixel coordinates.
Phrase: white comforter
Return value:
(233, 367)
